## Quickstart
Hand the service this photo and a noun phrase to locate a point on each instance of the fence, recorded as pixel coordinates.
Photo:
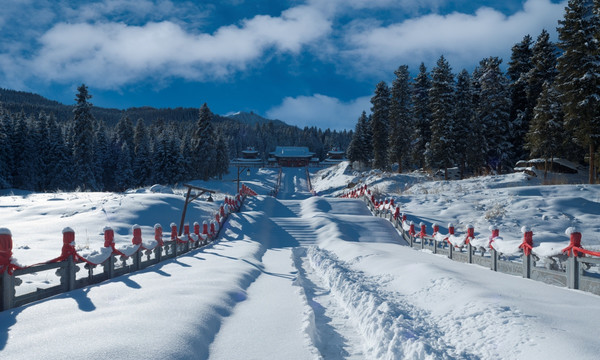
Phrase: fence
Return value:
(110, 262)
(573, 267)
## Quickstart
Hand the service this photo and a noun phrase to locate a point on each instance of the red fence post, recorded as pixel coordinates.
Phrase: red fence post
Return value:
(68, 253)
(158, 234)
(137, 235)
(6, 246)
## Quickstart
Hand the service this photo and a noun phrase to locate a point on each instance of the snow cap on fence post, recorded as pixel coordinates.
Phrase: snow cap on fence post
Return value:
(6, 245)
(186, 229)
(68, 247)
(423, 231)
(173, 231)
(450, 229)
(527, 243)
(212, 228)
(575, 241)
(109, 236)
(436, 228)
(137, 235)
(470, 234)
(196, 228)
(412, 231)
(158, 234)
(495, 232)
(204, 228)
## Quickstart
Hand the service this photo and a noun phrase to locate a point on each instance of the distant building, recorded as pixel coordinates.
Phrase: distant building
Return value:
(249, 157)
(291, 156)
(334, 156)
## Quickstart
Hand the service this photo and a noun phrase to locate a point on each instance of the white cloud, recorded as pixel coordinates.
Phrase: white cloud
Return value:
(461, 38)
(321, 111)
(109, 55)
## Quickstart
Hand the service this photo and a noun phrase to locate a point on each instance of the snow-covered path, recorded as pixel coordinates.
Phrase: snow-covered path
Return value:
(307, 278)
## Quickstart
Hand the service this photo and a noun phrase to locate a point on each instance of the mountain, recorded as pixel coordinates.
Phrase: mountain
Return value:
(252, 118)
(32, 104)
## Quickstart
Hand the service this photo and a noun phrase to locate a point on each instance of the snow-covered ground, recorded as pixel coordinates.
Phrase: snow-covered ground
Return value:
(302, 277)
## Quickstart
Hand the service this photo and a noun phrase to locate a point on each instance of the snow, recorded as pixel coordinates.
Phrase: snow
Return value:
(302, 277)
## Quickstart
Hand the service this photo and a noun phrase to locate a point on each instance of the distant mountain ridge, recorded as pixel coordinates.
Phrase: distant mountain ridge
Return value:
(251, 118)
(32, 104)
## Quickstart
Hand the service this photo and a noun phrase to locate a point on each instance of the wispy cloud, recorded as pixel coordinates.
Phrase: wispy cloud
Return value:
(462, 38)
(321, 111)
(110, 54)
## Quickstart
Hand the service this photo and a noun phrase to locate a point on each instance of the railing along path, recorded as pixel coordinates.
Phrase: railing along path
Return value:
(110, 261)
(574, 266)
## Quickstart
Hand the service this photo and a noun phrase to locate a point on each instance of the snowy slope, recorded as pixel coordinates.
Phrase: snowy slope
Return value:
(297, 278)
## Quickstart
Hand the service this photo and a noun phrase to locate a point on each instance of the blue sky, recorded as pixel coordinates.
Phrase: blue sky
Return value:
(308, 63)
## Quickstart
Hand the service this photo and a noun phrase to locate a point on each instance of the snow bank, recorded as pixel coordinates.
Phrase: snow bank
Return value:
(388, 329)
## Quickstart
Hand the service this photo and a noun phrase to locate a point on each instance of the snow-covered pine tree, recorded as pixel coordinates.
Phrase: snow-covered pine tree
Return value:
(123, 171)
(5, 150)
(579, 74)
(106, 154)
(60, 167)
(124, 133)
(546, 133)
(204, 145)
(355, 150)
(400, 117)
(380, 125)
(142, 162)
(222, 161)
(493, 114)
(421, 115)
(83, 141)
(441, 150)
(464, 140)
(521, 109)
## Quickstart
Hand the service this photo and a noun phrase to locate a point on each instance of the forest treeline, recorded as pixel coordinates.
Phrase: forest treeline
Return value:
(48, 146)
(545, 105)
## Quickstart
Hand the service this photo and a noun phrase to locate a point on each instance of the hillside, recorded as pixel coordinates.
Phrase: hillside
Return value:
(32, 104)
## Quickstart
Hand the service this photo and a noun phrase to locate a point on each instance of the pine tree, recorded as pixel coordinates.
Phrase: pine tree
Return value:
(578, 74)
(123, 173)
(441, 150)
(124, 133)
(421, 115)
(203, 145)
(106, 154)
(83, 141)
(400, 116)
(546, 133)
(5, 150)
(60, 170)
(380, 125)
(493, 114)
(222, 161)
(463, 120)
(360, 147)
(142, 162)
(521, 107)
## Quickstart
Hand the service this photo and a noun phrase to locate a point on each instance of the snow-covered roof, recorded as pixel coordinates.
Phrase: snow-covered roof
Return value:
(292, 152)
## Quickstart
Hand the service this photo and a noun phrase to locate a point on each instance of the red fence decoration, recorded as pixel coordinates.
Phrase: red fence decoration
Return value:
(497, 254)
(114, 261)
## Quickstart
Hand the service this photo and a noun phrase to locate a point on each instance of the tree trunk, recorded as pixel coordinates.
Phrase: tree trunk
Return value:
(592, 174)
(446, 173)
(399, 164)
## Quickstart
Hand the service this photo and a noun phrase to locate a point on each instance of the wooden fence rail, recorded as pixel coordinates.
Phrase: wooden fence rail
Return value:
(575, 267)
(73, 271)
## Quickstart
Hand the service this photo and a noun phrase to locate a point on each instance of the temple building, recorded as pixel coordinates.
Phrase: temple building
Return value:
(291, 156)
